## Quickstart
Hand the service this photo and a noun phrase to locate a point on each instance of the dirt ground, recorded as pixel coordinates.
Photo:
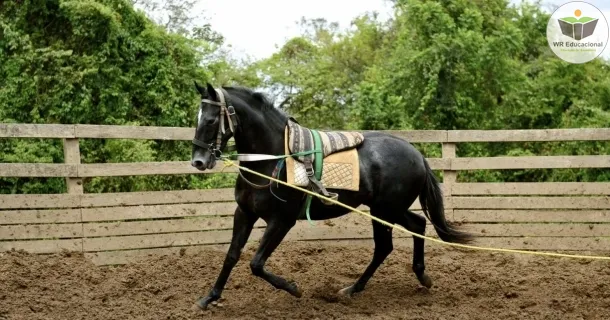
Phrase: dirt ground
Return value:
(467, 285)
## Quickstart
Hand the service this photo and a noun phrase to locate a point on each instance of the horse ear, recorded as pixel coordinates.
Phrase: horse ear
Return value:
(211, 91)
(200, 89)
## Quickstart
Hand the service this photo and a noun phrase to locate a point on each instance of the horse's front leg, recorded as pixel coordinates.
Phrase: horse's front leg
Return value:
(242, 227)
(274, 234)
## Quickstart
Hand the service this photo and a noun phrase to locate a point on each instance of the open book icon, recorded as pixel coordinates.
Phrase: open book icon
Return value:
(577, 28)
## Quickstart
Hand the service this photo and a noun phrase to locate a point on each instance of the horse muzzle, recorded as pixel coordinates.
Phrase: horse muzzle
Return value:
(203, 161)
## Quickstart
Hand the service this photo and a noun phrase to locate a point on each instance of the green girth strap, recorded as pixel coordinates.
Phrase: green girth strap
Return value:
(317, 163)
(319, 157)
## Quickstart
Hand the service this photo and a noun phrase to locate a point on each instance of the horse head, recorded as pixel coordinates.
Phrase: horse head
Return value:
(216, 124)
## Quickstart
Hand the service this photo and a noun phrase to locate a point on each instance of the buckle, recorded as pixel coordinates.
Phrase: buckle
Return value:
(217, 153)
(309, 170)
(231, 110)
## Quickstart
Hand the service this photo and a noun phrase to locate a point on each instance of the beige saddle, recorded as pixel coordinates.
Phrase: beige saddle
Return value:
(339, 167)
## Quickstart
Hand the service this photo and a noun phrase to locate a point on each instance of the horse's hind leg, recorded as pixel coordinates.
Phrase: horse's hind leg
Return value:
(274, 234)
(416, 223)
(383, 247)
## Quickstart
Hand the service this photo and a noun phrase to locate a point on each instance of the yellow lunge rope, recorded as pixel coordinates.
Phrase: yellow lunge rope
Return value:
(229, 163)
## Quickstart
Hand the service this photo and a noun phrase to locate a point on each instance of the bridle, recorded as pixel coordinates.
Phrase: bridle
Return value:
(226, 110)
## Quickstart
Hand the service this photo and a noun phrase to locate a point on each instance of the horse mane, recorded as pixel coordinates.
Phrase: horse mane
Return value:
(260, 102)
(265, 104)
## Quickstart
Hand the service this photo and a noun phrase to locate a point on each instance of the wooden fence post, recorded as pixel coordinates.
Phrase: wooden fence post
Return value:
(449, 176)
(72, 156)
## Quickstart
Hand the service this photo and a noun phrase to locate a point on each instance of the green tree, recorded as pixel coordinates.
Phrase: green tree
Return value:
(445, 65)
(95, 62)
(319, 71)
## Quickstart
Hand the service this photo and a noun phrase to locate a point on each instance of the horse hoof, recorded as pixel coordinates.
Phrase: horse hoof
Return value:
(347, 292)
(425, 281)
(196, 307)
(298, 293)
(202, 304)
(295, 290)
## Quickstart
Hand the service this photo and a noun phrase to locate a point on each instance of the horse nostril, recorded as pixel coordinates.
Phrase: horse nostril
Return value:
(197, 163)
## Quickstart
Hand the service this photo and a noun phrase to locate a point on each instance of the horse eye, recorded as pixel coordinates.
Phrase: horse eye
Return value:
(209, 121)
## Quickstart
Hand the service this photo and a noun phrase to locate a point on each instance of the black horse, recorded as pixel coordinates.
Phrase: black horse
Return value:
(392, 175)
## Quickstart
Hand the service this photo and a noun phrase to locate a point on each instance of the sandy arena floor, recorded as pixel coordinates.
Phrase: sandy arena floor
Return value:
(467, 285)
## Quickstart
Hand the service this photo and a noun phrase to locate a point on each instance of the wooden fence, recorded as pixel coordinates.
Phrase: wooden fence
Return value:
(114, 228)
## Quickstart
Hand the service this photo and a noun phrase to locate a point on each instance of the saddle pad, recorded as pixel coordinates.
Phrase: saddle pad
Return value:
(300, 139)
(341, 170)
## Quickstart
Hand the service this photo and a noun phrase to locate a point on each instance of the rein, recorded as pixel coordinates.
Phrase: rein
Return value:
(250, 157)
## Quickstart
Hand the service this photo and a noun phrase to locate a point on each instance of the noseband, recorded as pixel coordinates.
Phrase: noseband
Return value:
(226, 110)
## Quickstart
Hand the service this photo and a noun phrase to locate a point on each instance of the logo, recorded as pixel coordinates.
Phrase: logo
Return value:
(577, 28)
(577, 32)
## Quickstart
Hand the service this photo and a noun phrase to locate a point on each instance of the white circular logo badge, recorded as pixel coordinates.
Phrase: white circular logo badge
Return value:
(577, 32)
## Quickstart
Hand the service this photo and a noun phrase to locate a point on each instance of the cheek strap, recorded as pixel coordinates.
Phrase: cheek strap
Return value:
(226, 110)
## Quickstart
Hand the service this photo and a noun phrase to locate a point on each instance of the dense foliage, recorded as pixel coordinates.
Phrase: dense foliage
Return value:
(437, 64)
(97, 62)
(447, 65)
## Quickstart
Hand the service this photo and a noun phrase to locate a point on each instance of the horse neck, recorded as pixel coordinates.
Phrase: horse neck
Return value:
(260, 133)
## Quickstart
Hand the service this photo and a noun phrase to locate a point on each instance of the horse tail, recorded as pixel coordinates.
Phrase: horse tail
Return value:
(431, 200)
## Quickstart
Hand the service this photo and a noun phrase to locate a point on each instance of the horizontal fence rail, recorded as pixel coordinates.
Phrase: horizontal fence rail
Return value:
(18, 130)
(115, 228)
(184, 167)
